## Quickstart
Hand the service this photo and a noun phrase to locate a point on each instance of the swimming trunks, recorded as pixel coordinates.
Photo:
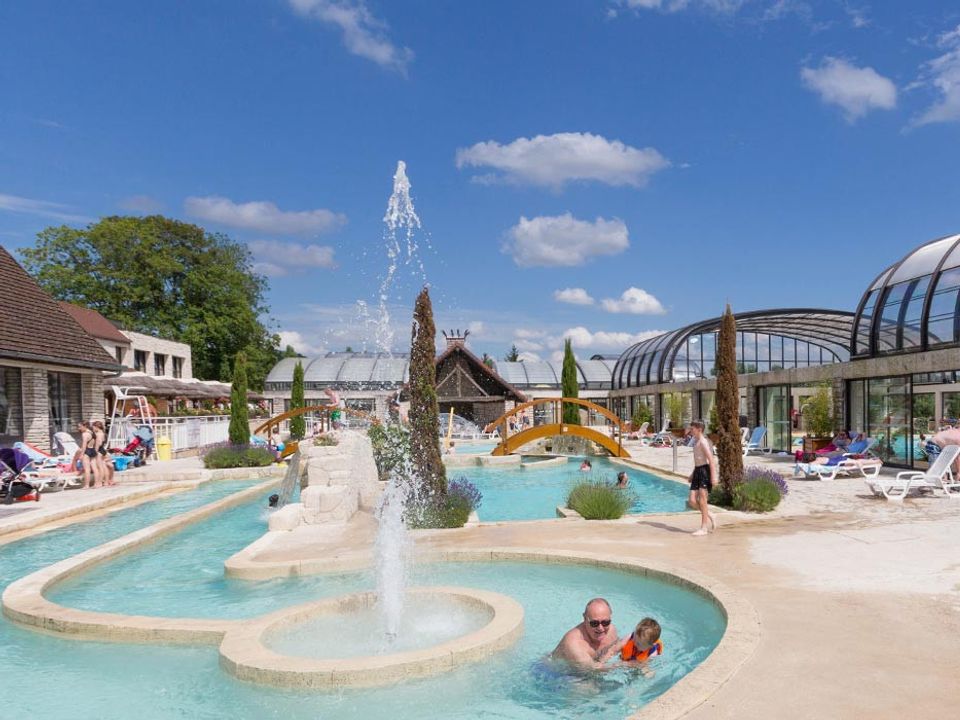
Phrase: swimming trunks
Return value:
(700, 480)
(90, 453)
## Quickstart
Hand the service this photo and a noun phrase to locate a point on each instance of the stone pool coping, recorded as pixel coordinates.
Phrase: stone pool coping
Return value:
(24, 602)
(244, 654)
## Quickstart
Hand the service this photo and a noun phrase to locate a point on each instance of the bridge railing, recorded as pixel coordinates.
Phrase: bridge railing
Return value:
(549, 411)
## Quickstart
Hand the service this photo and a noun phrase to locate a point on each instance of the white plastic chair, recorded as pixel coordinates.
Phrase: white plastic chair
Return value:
(938, 476)
(755, 443)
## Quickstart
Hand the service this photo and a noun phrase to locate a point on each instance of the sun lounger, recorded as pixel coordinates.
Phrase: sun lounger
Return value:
(68, 446)
(938, 477)
(755, 443)
(639, 434)
(868, 468)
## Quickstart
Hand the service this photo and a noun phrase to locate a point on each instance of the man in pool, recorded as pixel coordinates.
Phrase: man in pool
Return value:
(584, 645)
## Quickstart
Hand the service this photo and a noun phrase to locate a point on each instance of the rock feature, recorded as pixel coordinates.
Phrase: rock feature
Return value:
(338, 481)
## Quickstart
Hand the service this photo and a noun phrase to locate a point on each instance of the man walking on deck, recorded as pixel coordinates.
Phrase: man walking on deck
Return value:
(703, 478)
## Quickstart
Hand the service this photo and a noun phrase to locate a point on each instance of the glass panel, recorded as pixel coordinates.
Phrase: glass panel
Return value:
(862, 345)
(857, 406)
(887, 418)
(708, 399)
(789, 352)
(923, 260)
(63, 391)
(924, 420)
(943, 308)
(951, 408)
(913, 313)
(890, 317)
(11, 406)
(709, 341)
(776, 352)
(774, 408)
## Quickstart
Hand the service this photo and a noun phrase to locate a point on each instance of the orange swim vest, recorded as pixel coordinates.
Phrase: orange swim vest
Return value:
(630, 651)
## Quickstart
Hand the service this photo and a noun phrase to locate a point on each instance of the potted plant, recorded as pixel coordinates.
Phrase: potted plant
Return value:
(640, 416)
(818, 416)
(674, 408)
(713, 425)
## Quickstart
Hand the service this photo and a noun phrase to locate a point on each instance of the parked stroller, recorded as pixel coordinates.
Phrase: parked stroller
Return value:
(14, 485)
(140, 445)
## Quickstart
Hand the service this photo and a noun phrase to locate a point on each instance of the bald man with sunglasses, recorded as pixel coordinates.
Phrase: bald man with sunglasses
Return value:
(583, 645)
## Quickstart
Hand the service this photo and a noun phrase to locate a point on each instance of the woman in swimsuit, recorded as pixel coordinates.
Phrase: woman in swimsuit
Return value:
(91, 468)
(106, 464)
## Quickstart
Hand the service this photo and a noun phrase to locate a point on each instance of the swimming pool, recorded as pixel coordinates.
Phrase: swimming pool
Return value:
(182, 575)
(511, 492)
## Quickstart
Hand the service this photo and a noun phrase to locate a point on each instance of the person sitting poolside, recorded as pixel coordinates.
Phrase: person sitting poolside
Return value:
(583, 645)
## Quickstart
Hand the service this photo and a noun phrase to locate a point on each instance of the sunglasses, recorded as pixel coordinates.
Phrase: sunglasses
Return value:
(595, 623)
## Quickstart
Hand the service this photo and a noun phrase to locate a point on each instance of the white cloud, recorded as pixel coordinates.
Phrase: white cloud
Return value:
(364, 34)
(563, 240)
(529, 357)
(634, 301)
(143, 204)
(262, 216)
(41, 208)
(856, 90)
(301, 345)
(859, 16)
(276, 258)
(725, 7)
(554, 160)
(573, 296)
(943, 74)
(476, 328)
(581, 337)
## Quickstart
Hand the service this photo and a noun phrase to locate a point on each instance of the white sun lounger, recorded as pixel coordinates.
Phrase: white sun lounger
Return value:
(938, 477)
(664, 437)
(867, 468)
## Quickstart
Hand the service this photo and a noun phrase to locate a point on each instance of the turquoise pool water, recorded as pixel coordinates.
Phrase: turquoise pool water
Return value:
(182, 576)
(514, 493)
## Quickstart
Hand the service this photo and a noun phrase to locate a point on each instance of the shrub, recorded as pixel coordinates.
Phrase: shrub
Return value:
(325, 441)
(237, 456)
(720, 497)
(598, 500)
(640, 416)
(760, 495)
(391, 447)
(469, 491)
(758, 472)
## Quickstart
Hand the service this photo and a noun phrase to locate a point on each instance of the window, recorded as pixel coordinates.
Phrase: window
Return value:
(63, 391)
(159, 364)
(178, 367)
(119, 351)
(943, 308)
(140, 360)
(11, 406)
(862, 332)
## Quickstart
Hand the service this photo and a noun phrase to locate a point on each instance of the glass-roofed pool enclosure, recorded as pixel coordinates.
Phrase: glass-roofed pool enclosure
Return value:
(891, 367)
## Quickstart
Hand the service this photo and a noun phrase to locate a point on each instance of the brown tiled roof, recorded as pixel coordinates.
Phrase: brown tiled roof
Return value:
(33, 327)
(95, 323)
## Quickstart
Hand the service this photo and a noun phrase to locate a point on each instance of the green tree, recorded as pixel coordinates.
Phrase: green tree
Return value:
(298, 425)
(239, 431)
(424, 411)
(569, 386)
(488, 361)
(163, 277)
(729, 448)
(290, 352)
(513, 355)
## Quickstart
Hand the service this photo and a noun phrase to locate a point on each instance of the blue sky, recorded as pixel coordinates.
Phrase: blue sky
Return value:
(597, 169)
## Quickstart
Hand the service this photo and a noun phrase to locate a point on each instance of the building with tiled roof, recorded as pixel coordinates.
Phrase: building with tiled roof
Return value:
(51, 369)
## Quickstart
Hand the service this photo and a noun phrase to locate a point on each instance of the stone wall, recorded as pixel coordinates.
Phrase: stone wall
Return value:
(91, 397)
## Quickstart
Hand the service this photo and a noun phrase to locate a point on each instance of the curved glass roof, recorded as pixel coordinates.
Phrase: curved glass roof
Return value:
(592, 374)
(912, 305)
(766, 340)
(348, 370)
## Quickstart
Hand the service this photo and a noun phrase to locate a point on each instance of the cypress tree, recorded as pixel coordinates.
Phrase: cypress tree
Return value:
(298, 425)
(239, 431)
(729, 448)
(424, 410)
(569, 386)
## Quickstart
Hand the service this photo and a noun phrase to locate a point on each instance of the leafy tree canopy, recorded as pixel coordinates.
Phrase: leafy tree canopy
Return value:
(512, 355)
(163, 277)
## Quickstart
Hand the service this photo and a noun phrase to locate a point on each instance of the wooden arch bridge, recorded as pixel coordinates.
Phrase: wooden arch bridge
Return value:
(552, 408)
(322, 423)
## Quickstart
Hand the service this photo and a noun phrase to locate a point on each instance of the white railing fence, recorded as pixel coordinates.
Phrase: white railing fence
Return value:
(186, 433)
